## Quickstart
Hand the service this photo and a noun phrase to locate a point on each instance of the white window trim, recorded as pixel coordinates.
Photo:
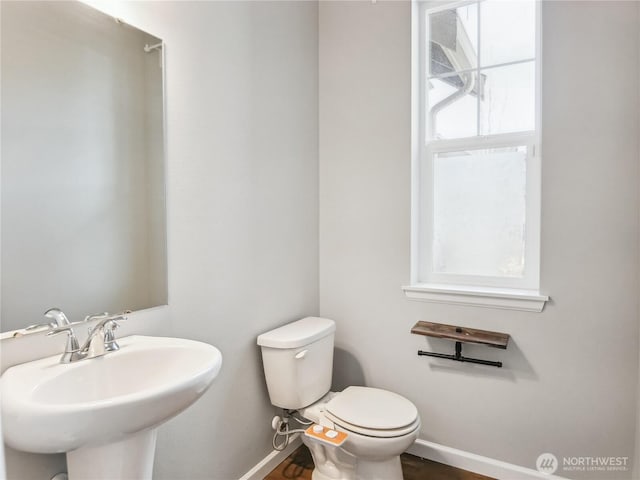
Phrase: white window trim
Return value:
(468, 290)
(489, 297)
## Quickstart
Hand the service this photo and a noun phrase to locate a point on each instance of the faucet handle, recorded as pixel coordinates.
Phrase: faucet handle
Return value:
(72, 348)
(110, 344)
(101, 338)
(111, 323)
(95, 316)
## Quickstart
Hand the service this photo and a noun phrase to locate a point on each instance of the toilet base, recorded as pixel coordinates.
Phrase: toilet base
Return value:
(389, 470)
(334, 463)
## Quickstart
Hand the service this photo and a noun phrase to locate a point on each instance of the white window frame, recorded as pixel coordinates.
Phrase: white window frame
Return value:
(498, 292)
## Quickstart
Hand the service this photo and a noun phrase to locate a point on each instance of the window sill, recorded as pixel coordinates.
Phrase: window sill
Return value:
(488, 297)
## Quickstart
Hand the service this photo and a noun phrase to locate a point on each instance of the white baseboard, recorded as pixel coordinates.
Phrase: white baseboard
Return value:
(271, 461)
(475, 463)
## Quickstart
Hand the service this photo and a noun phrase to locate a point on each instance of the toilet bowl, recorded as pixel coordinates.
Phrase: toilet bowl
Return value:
(379, 424)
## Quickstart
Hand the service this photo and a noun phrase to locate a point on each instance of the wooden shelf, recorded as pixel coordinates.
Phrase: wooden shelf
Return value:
(461, 334)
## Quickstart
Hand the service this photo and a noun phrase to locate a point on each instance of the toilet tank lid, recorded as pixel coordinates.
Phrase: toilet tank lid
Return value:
(298, 333)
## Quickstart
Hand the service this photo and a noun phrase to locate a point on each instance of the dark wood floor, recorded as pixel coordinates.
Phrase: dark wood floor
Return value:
(299, 465)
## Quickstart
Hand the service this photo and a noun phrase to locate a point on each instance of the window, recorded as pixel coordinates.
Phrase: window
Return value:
(476, 199)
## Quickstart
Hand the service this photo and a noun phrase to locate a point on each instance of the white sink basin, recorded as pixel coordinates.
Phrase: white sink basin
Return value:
(108, 405)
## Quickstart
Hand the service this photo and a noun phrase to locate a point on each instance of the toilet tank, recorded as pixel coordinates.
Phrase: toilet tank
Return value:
(298, 361)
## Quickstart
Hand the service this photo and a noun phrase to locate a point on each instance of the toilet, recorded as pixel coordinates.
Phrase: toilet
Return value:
(380, 425)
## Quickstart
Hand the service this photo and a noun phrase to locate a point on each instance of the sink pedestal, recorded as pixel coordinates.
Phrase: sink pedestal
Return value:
(131, 457)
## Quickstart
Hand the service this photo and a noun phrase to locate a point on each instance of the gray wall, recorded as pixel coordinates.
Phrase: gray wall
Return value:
(568, 386)
(636, 464)
(243, 209)
(242, 212)
(243, 228)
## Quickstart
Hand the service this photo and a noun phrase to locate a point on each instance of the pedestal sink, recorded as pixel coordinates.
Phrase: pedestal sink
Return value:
(104, 412)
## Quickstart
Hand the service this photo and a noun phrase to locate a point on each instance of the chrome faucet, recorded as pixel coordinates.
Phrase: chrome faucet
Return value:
(101, 339)
(72, 349)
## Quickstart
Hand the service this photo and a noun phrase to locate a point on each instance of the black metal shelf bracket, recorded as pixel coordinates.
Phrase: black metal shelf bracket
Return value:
(459, 358)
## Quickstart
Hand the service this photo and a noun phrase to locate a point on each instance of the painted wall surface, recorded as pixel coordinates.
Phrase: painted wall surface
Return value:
(83, 207)
(636, 463)
(242, 97)
(242, 129)
(570, 376)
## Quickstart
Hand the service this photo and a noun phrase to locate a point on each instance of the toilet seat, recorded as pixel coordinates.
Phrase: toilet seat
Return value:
(372, 412)
(368, 432)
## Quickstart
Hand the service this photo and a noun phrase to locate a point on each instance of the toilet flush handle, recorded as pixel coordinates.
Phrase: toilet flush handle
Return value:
(301, 354)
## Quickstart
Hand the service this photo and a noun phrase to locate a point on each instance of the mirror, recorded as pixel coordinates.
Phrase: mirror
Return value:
(83, 222)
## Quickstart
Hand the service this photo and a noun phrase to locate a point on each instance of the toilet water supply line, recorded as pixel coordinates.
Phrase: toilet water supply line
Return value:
(281, 426)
